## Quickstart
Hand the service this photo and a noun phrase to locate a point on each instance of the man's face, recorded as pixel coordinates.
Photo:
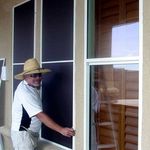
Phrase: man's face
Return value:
(34, 79)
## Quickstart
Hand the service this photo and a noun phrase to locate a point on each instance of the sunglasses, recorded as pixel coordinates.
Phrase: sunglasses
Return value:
(35, 75)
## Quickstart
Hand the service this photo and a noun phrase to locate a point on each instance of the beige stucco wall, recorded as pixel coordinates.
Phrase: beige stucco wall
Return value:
(79, 74)
(6, 52)
(146, 77)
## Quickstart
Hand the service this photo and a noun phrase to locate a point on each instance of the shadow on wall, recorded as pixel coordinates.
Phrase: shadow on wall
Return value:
(2, 102)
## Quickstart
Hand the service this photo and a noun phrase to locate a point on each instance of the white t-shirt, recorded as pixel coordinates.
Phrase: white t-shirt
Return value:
(27, 103)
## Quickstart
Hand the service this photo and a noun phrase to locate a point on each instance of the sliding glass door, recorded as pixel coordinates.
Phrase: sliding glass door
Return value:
(113, 74)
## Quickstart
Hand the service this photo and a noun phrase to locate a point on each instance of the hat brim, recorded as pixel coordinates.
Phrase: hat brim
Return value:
(20, 76)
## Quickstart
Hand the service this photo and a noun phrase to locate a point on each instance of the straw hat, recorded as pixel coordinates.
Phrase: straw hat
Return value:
(31, 66)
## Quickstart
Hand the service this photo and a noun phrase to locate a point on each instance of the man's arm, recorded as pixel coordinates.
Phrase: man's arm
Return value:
(49, 122)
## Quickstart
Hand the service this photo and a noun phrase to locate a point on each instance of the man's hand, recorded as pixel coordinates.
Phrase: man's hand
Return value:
(49, 122)
(68, 132)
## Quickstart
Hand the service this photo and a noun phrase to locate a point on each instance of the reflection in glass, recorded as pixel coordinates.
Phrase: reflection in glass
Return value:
(113, 29)
(125, 40)
(114, 107)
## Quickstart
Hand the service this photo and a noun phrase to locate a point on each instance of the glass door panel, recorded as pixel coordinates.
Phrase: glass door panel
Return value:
(113, 28)
(114, 107)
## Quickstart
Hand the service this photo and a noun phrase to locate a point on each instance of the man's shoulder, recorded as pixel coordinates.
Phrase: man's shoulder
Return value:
(22, 87)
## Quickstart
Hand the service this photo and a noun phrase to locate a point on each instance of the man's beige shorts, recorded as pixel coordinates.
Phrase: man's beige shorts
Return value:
(22, 140)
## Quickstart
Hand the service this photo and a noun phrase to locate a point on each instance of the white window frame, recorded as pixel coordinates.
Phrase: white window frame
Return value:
(111, 61)
(61, 61)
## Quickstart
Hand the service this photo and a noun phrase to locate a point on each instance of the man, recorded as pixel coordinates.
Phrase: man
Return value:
(27, 113)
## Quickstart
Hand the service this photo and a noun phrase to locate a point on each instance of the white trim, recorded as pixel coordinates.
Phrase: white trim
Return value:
(107, 62)
(41, 27)
(140, 74)
(74, 83)
(86, 82)
(17, 64)
(111, 59)
(21, 3)
(54, 62)
(35, 27)
(86, 108)
(12, 50)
